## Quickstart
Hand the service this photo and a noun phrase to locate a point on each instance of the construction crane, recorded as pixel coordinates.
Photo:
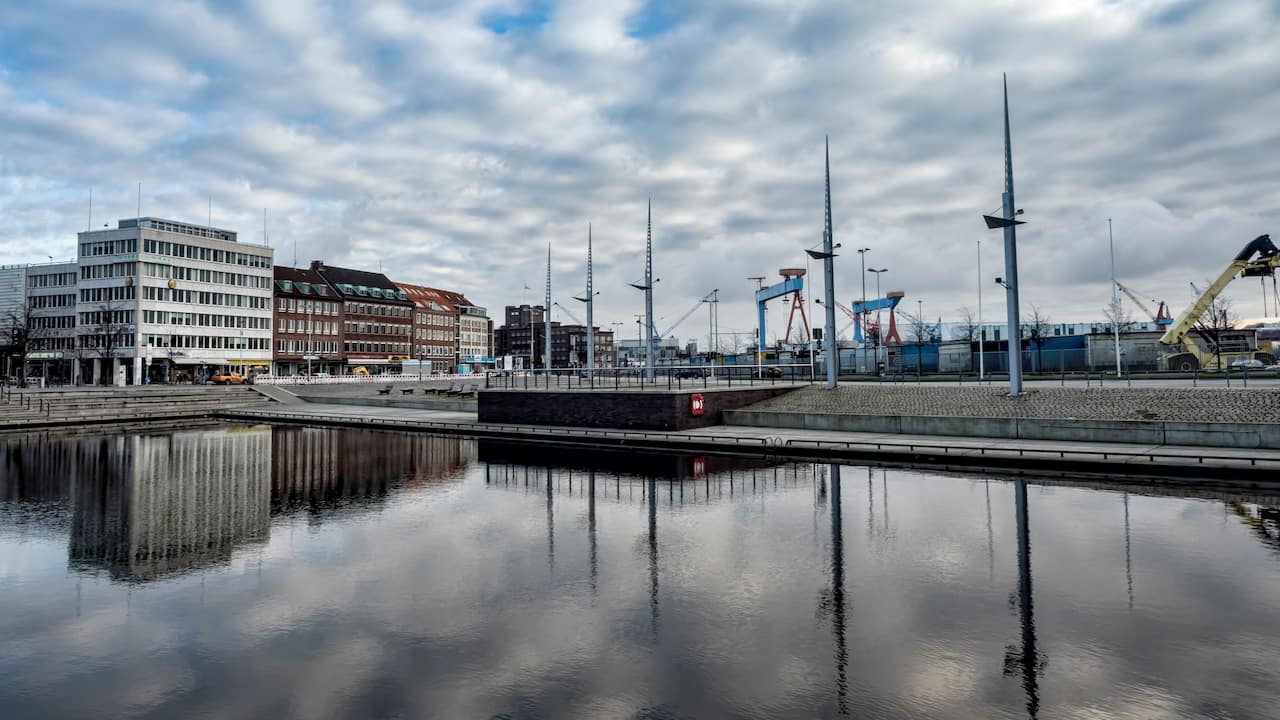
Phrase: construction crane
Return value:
(1161, 316)
(568, 312)
(1186, 354)
(704, 299)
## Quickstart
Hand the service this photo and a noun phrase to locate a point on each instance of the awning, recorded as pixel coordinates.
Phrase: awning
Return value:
(197, 361)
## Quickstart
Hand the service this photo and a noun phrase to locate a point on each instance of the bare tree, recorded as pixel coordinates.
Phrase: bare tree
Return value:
(105, 337)
(22, 333)
(919, 333)
(1124, 323)
(1219, 317)
(968, 329)
(1036, 327)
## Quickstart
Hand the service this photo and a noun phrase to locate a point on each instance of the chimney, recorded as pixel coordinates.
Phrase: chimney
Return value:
(317, 265)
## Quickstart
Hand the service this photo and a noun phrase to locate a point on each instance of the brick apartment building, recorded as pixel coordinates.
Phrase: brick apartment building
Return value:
(377, 318)
(308, 321)
(434, 334)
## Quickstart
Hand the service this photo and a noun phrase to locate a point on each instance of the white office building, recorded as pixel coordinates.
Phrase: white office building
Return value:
(164, 299)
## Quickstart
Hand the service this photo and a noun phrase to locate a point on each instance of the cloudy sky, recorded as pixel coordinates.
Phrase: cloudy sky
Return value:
(451, 141)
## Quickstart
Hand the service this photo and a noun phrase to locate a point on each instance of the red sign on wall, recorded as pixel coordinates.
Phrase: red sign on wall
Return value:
(697, 405)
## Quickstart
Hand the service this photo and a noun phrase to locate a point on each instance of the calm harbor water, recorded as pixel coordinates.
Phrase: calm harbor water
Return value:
(308, 573)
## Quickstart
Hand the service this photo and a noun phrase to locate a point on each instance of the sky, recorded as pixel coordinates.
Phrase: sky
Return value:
(449, 142)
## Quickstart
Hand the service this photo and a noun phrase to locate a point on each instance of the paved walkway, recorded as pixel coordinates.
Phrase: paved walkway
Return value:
(1254, 405)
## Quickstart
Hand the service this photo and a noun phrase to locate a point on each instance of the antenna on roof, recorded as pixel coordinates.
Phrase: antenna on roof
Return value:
(89, 227)
(210, 224)
(266, 242)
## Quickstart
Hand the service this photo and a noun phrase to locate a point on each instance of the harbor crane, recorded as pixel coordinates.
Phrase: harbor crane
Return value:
(1259, 258)
(1161, 316)
(568, 312)
(704, 299)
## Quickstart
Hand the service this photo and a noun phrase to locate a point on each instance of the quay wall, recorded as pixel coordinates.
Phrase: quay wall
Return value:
(1153, 432)
(640, 410)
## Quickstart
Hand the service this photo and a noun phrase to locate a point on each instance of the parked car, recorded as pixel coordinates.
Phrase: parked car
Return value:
(1242, 363)
(773, 371)
(228, 378)
(687, 373)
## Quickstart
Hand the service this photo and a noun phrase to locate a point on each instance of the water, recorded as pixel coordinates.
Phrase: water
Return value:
(258, 572)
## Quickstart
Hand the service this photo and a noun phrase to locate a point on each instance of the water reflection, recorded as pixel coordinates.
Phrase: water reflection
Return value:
(323, 573)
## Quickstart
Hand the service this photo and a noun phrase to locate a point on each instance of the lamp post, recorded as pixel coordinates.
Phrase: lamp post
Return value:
(982, 332)
(1007, 222)
(713, 302)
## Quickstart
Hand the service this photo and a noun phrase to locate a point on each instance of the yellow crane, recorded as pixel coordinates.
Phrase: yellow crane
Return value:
(1259, 258)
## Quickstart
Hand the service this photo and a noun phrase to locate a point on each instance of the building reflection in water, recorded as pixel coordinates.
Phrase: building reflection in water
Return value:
(318, 470)
(837, 599)
(146, 506)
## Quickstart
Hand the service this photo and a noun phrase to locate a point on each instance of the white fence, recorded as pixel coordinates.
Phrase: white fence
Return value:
(356, 379)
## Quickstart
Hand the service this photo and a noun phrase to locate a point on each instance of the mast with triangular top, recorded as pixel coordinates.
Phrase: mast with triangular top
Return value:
(650, 347)
(828, 274)
(546, 318)
(1011, 258)
(591, 330)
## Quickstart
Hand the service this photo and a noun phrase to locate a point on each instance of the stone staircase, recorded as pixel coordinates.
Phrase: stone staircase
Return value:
(25, 409)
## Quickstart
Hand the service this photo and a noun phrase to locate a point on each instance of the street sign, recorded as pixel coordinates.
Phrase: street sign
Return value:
(697, 404)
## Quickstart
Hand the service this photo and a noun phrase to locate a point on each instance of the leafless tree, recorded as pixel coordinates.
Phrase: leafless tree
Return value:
(22, 334)
(105, 337)
(919, 333)
(968, 329)
(1125, 323)
(1036, 327)
(1219, 317)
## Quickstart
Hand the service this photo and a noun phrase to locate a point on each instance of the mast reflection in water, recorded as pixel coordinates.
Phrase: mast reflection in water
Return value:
(295, 572)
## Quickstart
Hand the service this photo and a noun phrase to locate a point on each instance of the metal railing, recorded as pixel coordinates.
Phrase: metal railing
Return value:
(667, 377)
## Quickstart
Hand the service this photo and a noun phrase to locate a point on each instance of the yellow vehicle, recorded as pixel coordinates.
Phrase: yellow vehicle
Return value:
(361, 370)
(227, 378)
(1184, 352)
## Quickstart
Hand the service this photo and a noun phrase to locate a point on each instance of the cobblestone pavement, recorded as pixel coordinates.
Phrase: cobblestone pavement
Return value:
(1176, 404)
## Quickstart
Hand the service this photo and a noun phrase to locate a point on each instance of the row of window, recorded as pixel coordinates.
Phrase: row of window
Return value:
(53, 343)
(57, 322)
(376, 328)
(108, 294)
(52, 280)
(109, 270)
(107, 343)
(107, 317)
(39, 302)
(379, 309)
(312, 347)
(373, 347)
(173, 249)
(305, 326)
(108, 247)
(207, 342)
(423, 334)
(217, 277)
(310, 307)
(429, 319)
(166, 317)
(201, 297)
(435, 351)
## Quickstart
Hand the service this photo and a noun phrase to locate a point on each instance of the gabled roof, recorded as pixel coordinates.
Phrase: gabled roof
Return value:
(302, 283)
(429, 298)
(361, 284)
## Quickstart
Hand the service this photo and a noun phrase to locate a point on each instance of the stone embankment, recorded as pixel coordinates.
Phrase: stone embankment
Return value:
(77, 407)
(1244, 418)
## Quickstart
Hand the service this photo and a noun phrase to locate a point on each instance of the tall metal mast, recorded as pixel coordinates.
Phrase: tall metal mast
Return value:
(546, 318)
(829, 274)
(650, 347)
(1011, 259)
(591, 330)
(1115, 297)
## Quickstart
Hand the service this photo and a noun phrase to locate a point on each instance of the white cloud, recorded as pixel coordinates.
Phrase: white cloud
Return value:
(422, 139)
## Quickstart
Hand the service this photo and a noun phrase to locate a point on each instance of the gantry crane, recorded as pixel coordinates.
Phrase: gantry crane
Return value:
(1185, 354)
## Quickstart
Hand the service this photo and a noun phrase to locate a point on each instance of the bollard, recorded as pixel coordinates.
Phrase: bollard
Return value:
(1246, 376)
(1064, 376)
(1228, 375)
(1195, 377)
(1128, 378)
